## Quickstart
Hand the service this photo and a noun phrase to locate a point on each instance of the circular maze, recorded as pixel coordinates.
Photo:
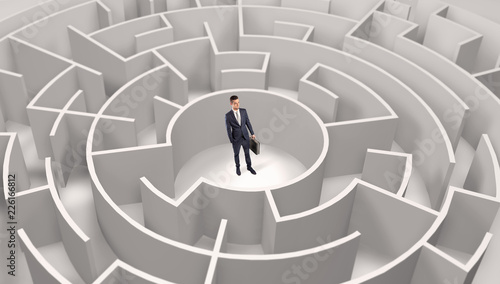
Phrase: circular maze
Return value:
(379, 123)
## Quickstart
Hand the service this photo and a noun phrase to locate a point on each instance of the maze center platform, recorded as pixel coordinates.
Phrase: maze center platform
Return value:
(283, 126)
(217, 165)
(379, 124)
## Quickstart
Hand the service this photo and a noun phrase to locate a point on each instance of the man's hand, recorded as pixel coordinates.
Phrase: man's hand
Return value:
(253, 136)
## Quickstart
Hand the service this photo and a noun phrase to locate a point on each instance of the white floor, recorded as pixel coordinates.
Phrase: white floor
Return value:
(78, 200)
(286, 92)
(209, 243)
(56, 255)
(368, 260)
(273, 167)
(335, 185)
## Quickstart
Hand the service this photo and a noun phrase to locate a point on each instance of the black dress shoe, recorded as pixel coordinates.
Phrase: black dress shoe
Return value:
(252, 170)
(238, 172)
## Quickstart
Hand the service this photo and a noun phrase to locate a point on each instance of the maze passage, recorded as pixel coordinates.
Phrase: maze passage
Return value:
(379, 124)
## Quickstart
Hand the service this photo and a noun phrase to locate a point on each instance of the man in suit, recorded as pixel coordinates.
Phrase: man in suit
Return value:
(237, 122)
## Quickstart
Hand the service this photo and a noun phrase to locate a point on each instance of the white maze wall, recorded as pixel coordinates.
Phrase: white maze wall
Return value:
(396, 121)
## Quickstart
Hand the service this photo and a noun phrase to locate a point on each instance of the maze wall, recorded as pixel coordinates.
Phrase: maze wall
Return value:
(392, 108)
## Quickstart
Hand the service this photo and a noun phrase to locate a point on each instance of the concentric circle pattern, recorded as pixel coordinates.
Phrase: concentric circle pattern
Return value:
(379, 124)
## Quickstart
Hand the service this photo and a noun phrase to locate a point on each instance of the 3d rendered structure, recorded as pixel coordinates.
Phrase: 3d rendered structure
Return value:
(379, 124)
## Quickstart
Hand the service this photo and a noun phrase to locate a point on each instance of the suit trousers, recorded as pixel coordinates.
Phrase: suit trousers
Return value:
(246, 148)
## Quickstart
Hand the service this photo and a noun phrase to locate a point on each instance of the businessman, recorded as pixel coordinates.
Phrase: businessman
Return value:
(237, 122)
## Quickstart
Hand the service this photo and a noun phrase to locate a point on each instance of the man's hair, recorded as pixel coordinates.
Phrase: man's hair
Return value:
(233, 98)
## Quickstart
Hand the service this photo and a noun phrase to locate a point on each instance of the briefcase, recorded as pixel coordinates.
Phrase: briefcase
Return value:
(255, 146)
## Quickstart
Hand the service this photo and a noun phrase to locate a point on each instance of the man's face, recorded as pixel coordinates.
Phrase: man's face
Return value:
(236, 104)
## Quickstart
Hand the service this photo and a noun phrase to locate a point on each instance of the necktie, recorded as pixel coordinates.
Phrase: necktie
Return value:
(238, 117)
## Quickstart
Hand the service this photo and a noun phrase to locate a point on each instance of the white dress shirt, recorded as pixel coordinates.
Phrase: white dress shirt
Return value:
(236, 115)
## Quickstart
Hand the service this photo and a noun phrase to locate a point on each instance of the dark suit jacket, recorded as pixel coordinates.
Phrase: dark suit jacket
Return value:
(234, 130)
